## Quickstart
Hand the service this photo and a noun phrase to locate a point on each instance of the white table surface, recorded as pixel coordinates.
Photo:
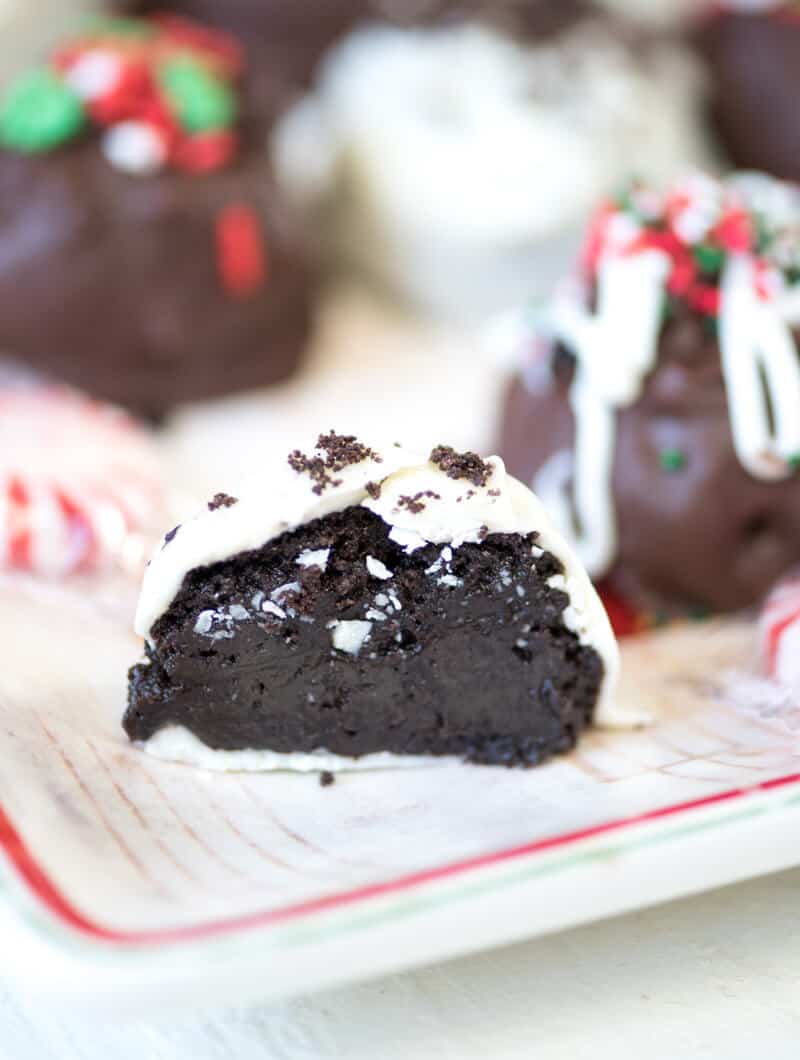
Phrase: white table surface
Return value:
(716, 977)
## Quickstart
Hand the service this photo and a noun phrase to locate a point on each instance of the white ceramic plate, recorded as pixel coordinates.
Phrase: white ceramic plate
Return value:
(129, 882)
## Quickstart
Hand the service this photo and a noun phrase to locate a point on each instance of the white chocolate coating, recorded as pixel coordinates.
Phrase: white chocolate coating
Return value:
(454, 512)
(174, 743)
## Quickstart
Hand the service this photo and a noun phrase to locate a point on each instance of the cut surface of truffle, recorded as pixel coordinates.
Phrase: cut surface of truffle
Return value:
(467, 656)
(322, 623)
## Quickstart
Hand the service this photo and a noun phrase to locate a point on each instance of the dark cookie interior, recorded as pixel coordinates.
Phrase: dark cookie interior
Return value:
(479, 665)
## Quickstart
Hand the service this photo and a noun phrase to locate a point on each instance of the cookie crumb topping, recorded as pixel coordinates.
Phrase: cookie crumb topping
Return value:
(415, 504)
(341, 451)
(221, 500)
(455, 465)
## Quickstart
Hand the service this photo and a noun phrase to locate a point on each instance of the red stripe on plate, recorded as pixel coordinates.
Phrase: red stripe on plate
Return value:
(48, 893)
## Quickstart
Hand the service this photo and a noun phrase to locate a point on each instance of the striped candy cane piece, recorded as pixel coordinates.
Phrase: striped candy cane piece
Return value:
(779, 629)
(80, 483)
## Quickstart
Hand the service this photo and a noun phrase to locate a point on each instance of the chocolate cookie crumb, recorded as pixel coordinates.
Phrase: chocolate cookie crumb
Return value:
(468, 465)
(341, 451)
(414, 504)
(326, 779)
(221, 500)
(373, 489)
(483, 533)
(171, 535)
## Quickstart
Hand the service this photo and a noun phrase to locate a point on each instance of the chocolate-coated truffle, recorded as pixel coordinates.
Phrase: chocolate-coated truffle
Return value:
(147, 255)
(660, 418)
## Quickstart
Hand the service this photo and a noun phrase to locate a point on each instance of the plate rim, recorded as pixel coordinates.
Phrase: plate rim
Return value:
(33, 891)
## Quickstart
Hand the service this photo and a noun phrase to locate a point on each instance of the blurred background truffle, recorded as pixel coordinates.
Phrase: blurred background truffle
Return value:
(457, 162)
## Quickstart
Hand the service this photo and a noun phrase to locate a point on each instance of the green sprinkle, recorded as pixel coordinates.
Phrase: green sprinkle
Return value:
(709, 259)
(710, 326)
(200, 101)
(699, 613)
(794, 462)
(673, 459)
(763, 232)
(39, 112)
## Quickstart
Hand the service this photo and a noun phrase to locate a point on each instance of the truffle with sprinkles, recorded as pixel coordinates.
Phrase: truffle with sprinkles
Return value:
(144, 141)
(660, 419)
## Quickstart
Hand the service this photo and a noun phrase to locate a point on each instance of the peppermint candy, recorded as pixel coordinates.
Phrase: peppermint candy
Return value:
(80, 487)
(779, 632)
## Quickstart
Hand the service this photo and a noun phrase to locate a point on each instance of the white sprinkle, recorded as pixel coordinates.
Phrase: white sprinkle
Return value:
(204, 622)
(536, 552)
(521, 643)
(434, 567)
(526, 628)
(378, 569)
(395, 601)
(273, 609)
(409, 540)
(237, 612)
(520, 592)
(449, 579)
(505, 577)
(349, 636)
(94, 74)
(447, 554)
(284, 590)
(134, 147)
(257, 599)
(316, 558)
(382, 600)
(375, 615)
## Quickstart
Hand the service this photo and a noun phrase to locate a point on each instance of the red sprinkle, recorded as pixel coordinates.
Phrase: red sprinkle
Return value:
(626, 621)
(133, 90)
(241, 258)
(705, 298)
(734, 231)
(204, 152)
(217, 46)
(596, 236)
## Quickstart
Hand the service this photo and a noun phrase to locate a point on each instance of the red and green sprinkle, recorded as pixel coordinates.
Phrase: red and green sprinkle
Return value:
(162, 91)
(698, 223)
